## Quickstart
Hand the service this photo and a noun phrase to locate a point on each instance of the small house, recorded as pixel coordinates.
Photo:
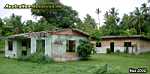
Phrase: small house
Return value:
(128, 44)
(60, 45)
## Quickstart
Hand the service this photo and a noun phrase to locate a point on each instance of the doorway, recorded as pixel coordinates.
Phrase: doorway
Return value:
(40, 45)
(25, 44)
(127, 45)
(112, 46)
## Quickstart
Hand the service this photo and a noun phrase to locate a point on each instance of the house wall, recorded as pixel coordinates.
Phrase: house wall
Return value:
(58, 51)
(17, 49)
(144, 46)
(33, 45)
(13, 53)
(118, 45)
(48, 46)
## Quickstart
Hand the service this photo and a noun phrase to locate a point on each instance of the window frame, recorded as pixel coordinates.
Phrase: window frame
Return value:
(98, 44)
(73, 47)
(127, 44)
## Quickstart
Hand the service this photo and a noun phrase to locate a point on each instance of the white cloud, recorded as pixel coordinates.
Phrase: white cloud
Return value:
(89, 6)
(25, 13)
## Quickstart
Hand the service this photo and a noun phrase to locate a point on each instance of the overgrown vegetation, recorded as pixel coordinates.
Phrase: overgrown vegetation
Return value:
(108, 50)
(2, 46)
(85, 49)
(37, 57)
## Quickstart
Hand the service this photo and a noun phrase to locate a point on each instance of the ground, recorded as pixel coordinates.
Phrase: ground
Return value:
(114, 61)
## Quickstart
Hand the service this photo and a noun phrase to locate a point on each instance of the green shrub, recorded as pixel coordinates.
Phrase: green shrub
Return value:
(2, 46)
(108, 50)
(117, 51)
(85, 49)
(38, 57)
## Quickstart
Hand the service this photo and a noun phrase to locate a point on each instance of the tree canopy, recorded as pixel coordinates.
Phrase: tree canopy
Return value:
(61, 15)
(135, 23)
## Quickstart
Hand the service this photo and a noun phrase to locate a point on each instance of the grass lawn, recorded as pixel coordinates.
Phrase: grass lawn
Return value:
(115, 62)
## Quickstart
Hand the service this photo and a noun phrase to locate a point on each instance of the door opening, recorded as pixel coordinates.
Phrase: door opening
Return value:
(112, 46)
(40, 45)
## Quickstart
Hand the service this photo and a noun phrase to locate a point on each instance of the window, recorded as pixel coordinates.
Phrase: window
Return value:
(98, 44)
(10, 45)
(127, 44)
(71, 46)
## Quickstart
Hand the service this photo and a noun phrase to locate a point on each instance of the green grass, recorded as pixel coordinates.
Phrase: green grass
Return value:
(115, 62)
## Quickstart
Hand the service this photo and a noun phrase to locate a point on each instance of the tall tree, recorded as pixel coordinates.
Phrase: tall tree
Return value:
(2, 27)
(13, 25)
(111, 22)
(89, 25)
(125, 27)
(140, 16)
(62, 16)
(98, 12)
(88, 19)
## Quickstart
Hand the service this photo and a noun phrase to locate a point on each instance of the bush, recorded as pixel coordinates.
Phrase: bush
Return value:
(85, 49)
(117, 51)
(108, 50)
(38, 57)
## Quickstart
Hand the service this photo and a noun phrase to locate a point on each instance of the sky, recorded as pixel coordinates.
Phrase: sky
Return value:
(83, 7)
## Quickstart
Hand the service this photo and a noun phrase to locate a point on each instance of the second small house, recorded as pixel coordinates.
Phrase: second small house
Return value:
(128, 44)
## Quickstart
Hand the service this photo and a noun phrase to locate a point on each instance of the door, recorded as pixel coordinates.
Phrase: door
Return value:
(112, 46)
(127, 45)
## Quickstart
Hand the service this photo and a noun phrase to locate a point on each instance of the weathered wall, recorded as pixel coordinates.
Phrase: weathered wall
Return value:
(51, 49)
(48, 45)
(144, 46)
(17, 49)
(13, 53)
(139, 45)
(59, 50)
(56, 50)
(118, 45)
(33, 45)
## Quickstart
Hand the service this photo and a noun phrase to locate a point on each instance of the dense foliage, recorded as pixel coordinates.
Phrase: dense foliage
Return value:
(135, 23)
(37, 57)
(61, 16)
(85, 49)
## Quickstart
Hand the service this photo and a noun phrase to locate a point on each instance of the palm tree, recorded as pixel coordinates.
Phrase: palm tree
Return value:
(138, 18)
(98, 12)
(1, 27)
